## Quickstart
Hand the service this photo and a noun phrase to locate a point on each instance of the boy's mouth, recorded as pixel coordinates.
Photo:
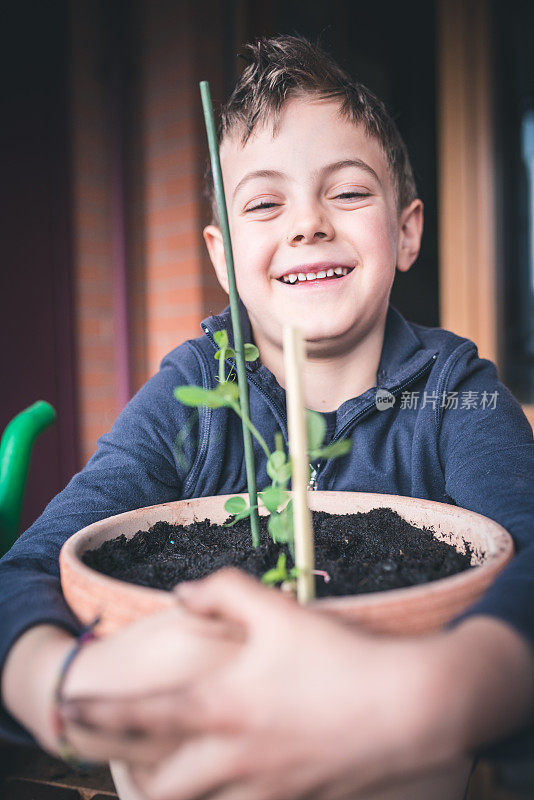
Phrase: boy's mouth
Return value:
(308, 273)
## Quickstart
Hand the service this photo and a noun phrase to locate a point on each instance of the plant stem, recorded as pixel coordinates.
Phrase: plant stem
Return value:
(234, 308)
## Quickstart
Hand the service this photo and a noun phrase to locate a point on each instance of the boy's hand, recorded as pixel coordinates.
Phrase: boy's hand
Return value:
(306, 708)
(309, 708)
(154, 657)
(160, 653)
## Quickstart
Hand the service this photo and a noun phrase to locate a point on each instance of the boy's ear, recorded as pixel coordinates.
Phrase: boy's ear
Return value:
(214, 242)
(410, 232)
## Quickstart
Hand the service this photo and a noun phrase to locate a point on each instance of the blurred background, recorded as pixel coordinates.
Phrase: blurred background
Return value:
(103, 157)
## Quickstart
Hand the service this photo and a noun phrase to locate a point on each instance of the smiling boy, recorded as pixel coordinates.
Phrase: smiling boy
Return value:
(318, 186)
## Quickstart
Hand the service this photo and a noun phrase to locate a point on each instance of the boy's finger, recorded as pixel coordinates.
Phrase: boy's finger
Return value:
(95, 745)
(198, 770)
(231, 594)
(180, 713)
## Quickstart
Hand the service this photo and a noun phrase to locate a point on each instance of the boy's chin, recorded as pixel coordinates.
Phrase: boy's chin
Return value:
(321, 331)
(325, 333)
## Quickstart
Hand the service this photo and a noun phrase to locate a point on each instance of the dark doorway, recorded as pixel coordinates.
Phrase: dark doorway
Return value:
(37, 359)
(514, 128)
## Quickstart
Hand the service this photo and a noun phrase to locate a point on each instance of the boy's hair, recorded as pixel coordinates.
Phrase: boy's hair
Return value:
(284, 67)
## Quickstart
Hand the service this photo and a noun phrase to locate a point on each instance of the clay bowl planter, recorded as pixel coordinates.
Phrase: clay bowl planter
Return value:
(414, 609)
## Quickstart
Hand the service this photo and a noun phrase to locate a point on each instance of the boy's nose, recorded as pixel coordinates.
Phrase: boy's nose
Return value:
(308, 229)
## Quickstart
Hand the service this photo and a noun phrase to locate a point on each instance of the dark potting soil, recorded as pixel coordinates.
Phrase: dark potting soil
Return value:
(366, 552)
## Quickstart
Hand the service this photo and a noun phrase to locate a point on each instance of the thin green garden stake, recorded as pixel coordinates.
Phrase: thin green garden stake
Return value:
(234, 307)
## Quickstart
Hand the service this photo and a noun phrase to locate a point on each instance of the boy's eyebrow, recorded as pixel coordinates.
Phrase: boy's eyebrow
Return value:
(336, 165)
(257, 173)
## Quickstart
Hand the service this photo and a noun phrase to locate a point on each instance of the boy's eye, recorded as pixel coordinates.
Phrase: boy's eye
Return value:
(268, 204)
(351, 195)
(263, 204)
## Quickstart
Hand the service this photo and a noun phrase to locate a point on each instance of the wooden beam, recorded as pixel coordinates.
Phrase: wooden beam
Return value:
(467, 247)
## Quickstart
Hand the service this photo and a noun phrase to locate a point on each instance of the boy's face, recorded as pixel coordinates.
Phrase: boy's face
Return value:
(316, 196)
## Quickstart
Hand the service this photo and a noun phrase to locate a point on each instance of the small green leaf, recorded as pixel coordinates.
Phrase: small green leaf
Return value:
(226, 352)
(280, 526)
(251, 352)
(278, 574)
(224, 395)
(235, 505)
(277, 459)
(244, 514)
(273, 464)
(196, 396)
(271, 577)
(279, 441)
(333, 450)
(221, 337)
(284, 474)
(316, 426)
(228, 391)
(279, 474)
(272, 497)
(278, 469)
(276, 528)
(281, 563)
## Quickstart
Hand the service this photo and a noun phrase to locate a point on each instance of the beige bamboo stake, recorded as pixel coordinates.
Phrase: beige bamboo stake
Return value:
(298, 451)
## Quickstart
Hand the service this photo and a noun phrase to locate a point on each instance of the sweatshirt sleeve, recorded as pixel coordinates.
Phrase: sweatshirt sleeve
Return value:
(487, 455)
(134, 466)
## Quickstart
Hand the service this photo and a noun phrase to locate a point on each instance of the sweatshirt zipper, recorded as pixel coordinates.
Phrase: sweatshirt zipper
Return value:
(395, 390)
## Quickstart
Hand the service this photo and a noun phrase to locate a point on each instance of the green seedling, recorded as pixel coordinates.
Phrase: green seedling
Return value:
(281, 575)
(275, 498)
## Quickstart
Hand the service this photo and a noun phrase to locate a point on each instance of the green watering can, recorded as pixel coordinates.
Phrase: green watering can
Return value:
(15, 451)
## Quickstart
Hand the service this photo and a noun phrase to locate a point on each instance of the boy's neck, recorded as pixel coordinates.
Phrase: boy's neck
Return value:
(330, 380)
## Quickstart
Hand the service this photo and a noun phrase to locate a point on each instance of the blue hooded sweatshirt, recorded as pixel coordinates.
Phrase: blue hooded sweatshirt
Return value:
(453, 434)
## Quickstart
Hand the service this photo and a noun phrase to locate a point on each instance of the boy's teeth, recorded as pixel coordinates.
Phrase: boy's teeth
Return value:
(312, 276)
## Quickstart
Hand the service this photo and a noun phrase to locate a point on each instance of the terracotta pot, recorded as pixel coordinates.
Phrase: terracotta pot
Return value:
(415, 609)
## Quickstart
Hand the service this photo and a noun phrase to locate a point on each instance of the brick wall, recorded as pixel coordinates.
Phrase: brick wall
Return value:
(91, 221)
(171, 284)
(180, 43)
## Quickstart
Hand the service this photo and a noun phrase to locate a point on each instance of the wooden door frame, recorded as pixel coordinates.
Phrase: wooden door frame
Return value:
(468, 277)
